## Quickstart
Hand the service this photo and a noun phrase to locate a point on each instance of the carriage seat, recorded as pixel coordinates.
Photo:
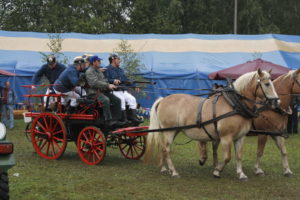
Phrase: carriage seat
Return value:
(87, 100)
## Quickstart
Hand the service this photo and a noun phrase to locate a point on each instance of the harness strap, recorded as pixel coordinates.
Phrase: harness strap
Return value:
(214, 108)
(229, 114)
(199, 119)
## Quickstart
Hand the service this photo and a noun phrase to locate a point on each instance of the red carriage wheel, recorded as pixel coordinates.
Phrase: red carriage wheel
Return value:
(49, 136)
(132, 147)
(91, 145)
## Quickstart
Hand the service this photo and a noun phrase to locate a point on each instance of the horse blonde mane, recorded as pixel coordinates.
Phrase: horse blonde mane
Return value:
(243, 81)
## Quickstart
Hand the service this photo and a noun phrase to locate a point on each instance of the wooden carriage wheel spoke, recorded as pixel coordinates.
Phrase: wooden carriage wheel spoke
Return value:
(85, 136)
(99, 149)
(57, 132)
(124, 147)
(50, 124)
(56, 144)
(59, 139)
(41, 126)
(43, 145)
(39, 132)
(52, 148)
(48, 147)
(54, 128)
(46, 123)
(135, 150)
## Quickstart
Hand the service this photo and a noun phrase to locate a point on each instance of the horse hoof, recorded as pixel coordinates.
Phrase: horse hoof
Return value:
(260, 174)
(289, 175)
(216, 174)
(165, 172)
(176, 176)
(244, 179)
(201, 163)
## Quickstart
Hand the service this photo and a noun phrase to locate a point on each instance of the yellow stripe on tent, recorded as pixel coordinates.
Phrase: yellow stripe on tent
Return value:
(146, 45)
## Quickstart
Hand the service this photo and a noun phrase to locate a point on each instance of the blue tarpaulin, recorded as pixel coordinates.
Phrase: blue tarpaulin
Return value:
(172, 61)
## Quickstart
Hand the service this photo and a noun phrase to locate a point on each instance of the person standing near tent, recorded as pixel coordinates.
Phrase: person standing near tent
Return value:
(116, 76)
(51, 70)
(9, 100)
(1, 100)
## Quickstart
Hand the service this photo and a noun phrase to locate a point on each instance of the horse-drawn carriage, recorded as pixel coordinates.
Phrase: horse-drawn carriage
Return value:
(50, 130)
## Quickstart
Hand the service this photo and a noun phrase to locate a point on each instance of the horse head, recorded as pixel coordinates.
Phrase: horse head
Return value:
(257, 84)
(295, 74)
(265, 89)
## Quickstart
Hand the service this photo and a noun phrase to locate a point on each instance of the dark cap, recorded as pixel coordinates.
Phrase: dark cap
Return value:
(51, 60)
(94, 58)
(112, 57)
(78, 60)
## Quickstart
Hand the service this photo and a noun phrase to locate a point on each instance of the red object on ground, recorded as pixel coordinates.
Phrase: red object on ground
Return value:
(238, 70)
(6, 73)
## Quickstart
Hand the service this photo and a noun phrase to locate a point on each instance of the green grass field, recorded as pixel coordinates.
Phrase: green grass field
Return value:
(34, 178)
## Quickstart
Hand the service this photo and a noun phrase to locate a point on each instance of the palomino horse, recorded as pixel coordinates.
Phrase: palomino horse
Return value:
(180, 110)
(269, 120)
(285, 85)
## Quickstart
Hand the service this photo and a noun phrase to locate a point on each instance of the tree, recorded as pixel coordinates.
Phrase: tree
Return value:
(150, 16)
(55, 46)
(131, 62)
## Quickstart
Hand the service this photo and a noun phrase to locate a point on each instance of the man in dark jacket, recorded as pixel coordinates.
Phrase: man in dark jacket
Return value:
(51, 70)
(116, 76)
(68, 80)
(97, 81)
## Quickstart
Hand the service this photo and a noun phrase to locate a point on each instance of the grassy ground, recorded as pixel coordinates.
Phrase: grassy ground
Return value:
(34, 178)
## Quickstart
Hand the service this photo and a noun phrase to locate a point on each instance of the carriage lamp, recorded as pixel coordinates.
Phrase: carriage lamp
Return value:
(2, 131)
(6, 148)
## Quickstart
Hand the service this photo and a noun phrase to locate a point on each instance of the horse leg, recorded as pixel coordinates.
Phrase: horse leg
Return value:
(261, 143)
(279, 141)
(168, 140)
(161, 164)
(203, 152)
(226, 145)
(215, 145)
(238, 154)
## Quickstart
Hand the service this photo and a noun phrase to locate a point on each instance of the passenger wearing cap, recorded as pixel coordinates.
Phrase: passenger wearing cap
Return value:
(51, 71)
(116, 76)
(68, 80)
(86, 58)
(97, 81)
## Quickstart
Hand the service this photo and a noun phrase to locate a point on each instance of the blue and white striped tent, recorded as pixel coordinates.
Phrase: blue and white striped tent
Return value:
(173, 61)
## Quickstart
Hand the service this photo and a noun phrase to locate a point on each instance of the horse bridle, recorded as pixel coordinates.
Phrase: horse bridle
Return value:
(268, 100)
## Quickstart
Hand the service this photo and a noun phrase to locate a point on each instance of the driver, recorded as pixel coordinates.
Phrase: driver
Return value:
(68, 80)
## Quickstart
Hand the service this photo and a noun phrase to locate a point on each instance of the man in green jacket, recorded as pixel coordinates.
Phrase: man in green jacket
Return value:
(97, 81)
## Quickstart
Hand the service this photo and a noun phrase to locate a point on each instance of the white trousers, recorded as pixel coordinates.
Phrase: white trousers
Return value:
(126, 97)
(71, 95)
(51, 99)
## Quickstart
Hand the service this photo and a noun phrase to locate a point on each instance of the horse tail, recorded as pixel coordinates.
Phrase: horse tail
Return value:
(153, 142)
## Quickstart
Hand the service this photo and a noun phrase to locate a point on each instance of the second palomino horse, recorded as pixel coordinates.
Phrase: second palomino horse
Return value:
(180, 111)
(271, 120)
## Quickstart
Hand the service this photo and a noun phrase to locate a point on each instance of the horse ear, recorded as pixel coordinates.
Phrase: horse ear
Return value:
(270, 71)
(297, 71)
(260, 73)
